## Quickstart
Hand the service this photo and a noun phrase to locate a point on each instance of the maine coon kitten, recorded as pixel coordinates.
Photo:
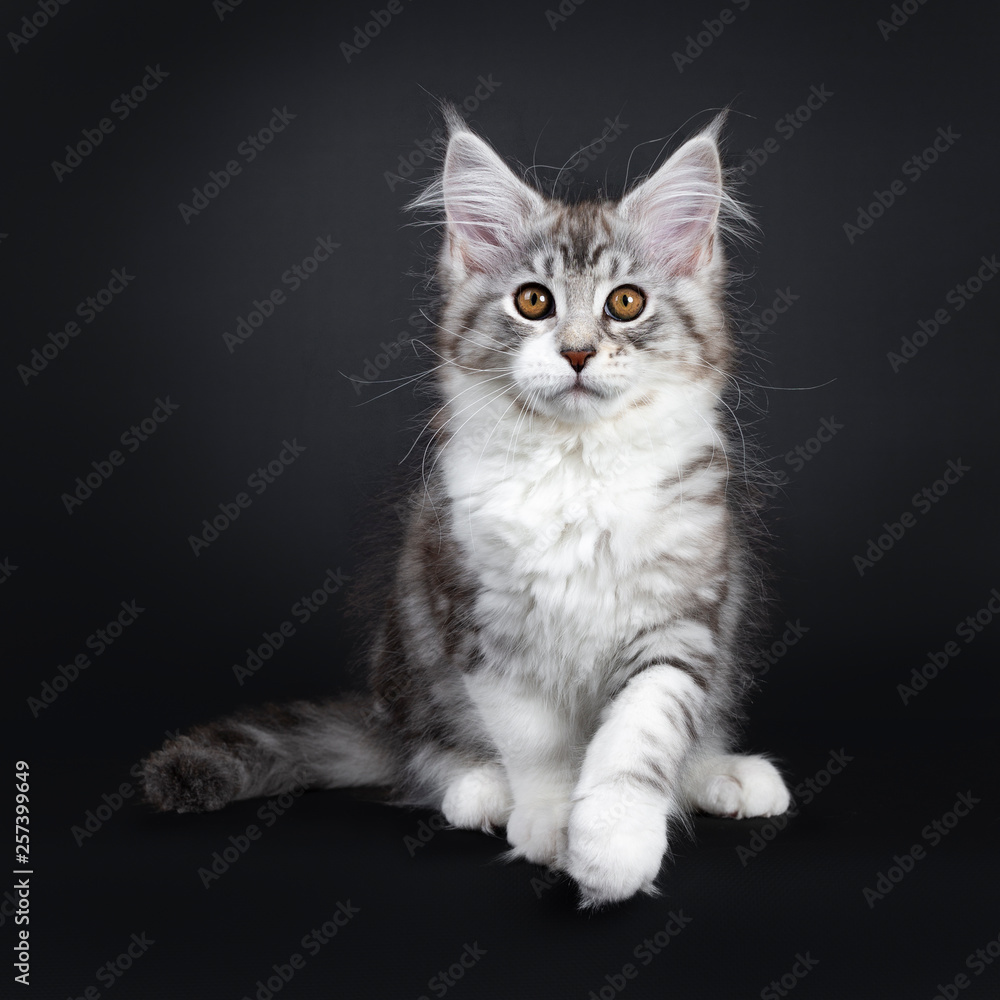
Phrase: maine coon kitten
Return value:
(561, 651)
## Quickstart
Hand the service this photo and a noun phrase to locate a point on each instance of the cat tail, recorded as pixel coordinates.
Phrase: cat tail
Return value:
(267, 751)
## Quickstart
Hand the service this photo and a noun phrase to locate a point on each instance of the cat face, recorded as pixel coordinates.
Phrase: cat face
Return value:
(580, 312)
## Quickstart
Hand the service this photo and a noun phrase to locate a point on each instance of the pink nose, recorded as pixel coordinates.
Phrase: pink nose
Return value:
(578, 358)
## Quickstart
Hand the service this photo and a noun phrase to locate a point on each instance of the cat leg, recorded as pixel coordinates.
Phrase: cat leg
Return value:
(736, 786)
(535, 740)
(470, 790)
(477, 798)
(631, 782)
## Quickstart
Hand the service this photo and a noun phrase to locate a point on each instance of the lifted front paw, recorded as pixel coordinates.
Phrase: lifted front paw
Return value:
(617, 840)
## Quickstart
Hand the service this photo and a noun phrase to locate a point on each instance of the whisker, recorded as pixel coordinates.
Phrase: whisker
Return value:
(528, 408)
(483, 452)
(440, 410)
(500, 350)
(492, 432)
(407, 380)
(458, 430)
(760, 385)
(475, 385)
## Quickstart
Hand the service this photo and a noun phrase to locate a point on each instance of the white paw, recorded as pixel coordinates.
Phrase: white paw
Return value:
(536, 830)
(478, 799)
(738, 787)
(617, 839)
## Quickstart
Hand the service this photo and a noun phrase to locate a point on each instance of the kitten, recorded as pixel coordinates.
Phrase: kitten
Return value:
(561, 651)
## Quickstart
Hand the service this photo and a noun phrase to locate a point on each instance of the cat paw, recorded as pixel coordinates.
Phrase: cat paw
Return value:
(537, 831)
(478, 799)
(617, 839)
(186, 776)
(738, 787)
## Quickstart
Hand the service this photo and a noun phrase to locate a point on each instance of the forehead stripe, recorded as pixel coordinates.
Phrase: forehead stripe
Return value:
(690, 327)
(595, 254)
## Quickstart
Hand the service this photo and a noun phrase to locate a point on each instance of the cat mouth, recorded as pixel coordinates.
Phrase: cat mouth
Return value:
(580, 388)
(578, 398)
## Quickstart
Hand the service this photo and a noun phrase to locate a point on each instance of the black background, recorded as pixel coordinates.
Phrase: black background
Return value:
(325, 175)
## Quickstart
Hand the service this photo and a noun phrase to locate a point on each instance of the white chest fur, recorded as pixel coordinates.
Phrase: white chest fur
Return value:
(563, 527)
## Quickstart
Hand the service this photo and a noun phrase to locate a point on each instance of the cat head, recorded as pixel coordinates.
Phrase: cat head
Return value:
(581, 311)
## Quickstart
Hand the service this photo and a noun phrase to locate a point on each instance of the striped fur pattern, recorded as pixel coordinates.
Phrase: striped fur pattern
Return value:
(561, 652)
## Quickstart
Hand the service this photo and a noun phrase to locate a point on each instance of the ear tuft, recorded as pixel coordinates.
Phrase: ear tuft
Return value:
(677, 209)
(487, 209)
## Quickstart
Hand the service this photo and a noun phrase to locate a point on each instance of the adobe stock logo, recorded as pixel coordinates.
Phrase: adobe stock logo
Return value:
(222, 7)
(914, 169)
(110, 972)
(583, 158)
(98, 641)
(933, 833)
(303, 610)
(263, 309)
(802, 794)
(87, 309)
(47, 9)
(364, 35)
(977, 962)
(696, 44)
(898, 16)
(94, 819)
(644, 953)
(103, 469)
(958, 297)
(446, 978)
(566, 10)
(238, 844)
(783, 300)
(786, 127)
(923, 499)
(767, 658)
(423, 149)
(804, 964)
(312, 943)
(967, 630)
(250, 148)
(122, 106)
(259, 482)
(7, 570)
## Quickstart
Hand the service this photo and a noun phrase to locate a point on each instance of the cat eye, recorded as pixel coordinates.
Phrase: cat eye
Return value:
(625, 303)
(533, 301)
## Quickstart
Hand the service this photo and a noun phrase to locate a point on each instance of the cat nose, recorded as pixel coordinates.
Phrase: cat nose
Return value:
(577, 358)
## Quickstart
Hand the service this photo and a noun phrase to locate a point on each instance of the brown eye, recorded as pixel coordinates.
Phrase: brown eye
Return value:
(533, 301)
(625, 303)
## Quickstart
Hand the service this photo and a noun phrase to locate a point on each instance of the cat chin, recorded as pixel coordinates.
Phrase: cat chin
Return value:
(579, 406)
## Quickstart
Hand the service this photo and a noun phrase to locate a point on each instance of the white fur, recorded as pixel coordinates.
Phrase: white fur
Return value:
(565, 493)
(562, 523)
(478, 799)
(737, 787)
(618, 832)
(617, 839)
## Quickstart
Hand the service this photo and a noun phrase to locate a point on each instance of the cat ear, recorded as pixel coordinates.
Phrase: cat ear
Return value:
(676, 210)
(487, 209)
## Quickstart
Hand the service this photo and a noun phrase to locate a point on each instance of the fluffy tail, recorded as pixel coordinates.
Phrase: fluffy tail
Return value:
(266, 751)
